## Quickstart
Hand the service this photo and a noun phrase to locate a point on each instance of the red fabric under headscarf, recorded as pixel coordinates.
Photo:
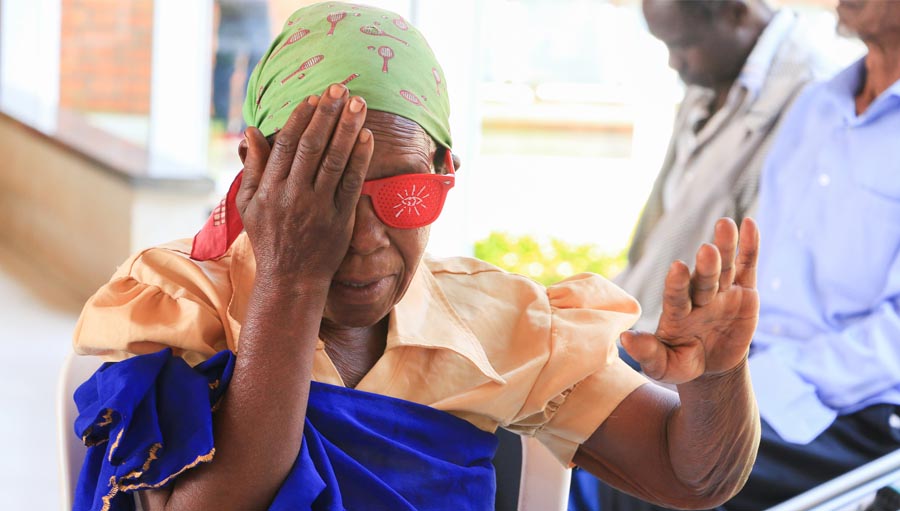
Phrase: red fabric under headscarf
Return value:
(222, 227)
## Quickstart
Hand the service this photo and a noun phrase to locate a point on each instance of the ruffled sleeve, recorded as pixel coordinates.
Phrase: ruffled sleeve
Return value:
(145, 420)
(583, 379)
(160, 298)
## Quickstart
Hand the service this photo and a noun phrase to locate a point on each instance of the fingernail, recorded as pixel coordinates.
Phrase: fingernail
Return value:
(313, 100)
(336, 91)
(356, 105)
(364, 136)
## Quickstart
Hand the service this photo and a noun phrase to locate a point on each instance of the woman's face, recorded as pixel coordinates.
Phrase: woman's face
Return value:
(381, 260)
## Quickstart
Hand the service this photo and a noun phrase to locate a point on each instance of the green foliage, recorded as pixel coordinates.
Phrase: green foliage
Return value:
(546, 262)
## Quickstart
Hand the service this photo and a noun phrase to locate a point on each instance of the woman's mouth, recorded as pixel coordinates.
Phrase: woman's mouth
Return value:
(360, 291)
(355, 284)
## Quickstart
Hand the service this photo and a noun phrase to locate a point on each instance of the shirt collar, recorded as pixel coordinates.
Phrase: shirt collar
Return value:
(760, 60)
(424, 318)
(844, 86)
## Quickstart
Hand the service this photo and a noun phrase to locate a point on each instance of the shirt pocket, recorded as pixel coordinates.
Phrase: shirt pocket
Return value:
(861, 239)
(880, 178)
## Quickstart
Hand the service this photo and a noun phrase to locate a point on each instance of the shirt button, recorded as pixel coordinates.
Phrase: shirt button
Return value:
(894, 421)
(776, 329)
(776, 284)
(824, 180)
(800, 234)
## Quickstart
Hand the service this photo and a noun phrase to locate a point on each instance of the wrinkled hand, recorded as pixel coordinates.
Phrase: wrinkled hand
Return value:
(298, 198)
(708, 318)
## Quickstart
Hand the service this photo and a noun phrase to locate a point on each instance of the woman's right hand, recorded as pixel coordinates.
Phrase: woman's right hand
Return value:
(298, 197)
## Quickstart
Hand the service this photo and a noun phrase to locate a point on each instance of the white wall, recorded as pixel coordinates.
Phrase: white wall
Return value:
(29, 60)
(180, 87)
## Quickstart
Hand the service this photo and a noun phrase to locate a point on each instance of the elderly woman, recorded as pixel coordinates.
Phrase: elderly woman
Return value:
(303, 353)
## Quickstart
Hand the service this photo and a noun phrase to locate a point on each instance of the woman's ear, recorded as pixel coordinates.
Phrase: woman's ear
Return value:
(242, 149)
(457, 163)
(440, 163)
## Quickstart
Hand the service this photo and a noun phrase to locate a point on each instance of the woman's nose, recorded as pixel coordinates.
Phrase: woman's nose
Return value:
(369, 233)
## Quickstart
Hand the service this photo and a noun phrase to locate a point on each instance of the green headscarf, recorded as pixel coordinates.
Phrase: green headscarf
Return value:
(374, 52)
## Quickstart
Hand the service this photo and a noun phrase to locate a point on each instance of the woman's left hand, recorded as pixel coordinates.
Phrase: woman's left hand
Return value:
(708, 317)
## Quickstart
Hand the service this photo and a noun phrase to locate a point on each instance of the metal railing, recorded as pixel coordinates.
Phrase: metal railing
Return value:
(844, 492)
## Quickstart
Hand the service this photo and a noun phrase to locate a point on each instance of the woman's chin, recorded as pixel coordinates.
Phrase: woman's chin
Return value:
(354, 321)
(355, 316)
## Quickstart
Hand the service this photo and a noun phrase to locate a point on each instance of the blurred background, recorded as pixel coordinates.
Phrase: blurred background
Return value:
(120, 120)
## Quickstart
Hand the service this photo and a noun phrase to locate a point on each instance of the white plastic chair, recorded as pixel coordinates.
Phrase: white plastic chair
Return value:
(75, 370)
(544, 484)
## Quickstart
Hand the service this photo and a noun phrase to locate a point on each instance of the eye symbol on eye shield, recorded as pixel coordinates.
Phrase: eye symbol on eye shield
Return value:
(410, 202)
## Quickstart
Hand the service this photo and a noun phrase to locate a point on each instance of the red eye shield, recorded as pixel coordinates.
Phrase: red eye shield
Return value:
(407, 201)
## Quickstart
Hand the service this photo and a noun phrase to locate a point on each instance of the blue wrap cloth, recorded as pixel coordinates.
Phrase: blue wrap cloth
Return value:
(149, 418)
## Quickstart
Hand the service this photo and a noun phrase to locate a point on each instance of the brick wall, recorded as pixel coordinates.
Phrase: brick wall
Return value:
(106, 55)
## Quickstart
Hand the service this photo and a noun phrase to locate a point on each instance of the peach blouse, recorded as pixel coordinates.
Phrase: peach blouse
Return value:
(490, 347)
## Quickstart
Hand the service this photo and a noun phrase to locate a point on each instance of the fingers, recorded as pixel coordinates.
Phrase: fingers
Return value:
(725, 239)
(705, 280)
(677, 292)
(354, 175)
(748, 254)
(281, 157)
(318, 142)
(715, 266)
(646, 349)
(255, 150)
(341, 147)
(318, 135)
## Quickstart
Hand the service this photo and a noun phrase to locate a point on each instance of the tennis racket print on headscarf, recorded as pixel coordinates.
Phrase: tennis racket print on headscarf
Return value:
(335, 42)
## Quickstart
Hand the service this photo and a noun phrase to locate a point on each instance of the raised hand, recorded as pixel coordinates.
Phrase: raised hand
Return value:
(298, 198)
(708, 317)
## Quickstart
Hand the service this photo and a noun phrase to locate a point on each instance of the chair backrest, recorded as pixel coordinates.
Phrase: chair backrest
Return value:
(543, 486)
(75, 370)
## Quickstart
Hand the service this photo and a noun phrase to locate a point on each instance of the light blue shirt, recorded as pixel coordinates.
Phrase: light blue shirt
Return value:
(828, 341)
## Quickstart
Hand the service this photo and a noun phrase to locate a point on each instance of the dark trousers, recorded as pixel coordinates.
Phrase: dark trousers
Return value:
(782, 470)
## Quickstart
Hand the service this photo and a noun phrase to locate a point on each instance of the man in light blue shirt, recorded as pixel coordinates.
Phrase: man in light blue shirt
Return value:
(825, 360)
(826, 356)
